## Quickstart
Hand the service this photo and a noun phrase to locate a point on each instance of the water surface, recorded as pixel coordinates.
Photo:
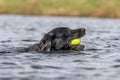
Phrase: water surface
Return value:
(100, 60)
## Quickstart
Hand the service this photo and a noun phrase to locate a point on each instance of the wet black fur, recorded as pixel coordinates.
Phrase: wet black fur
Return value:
(59, 39)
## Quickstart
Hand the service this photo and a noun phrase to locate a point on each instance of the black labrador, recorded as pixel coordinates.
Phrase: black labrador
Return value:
(59, 39)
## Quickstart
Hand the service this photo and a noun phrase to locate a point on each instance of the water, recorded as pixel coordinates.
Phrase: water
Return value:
(100, 60)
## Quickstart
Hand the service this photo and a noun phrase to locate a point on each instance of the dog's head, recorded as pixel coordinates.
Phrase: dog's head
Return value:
(60, 38)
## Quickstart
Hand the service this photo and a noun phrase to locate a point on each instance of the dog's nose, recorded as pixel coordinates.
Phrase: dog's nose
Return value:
(83, 29)
(82, 32)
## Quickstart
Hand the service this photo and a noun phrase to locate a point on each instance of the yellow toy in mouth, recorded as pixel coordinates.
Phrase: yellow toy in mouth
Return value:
(76, 41)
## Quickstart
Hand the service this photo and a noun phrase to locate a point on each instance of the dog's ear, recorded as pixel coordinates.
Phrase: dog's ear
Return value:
(45, 43)
(50, 34)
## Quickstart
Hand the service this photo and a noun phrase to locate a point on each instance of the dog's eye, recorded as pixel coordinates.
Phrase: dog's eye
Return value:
(76, 41)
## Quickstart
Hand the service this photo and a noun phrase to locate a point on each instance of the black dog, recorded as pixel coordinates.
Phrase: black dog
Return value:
(59, 39)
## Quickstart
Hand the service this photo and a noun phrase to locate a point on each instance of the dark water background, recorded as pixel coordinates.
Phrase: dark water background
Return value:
(99, 61)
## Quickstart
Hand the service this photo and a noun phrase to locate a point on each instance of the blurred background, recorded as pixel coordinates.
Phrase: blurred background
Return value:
(99, 61)
(82, 8)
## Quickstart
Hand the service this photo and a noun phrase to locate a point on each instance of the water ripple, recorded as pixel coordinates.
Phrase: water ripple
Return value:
(100, 60)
